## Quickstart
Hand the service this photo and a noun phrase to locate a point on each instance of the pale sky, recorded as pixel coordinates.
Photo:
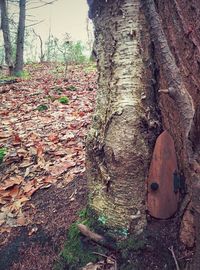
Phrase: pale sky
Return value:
(62, 16)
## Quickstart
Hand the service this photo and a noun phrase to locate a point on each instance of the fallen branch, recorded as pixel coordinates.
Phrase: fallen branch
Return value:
(171, 249)
(3, 82)
(88, 233)
(99, 239)
(108, 258)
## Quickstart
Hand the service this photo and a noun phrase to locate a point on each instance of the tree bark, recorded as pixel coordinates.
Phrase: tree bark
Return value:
(136, 64)
(6, 35)
(126, 121)
(20, 38)
(176, 88)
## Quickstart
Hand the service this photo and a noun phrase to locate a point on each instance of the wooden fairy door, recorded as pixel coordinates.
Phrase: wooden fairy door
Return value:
(162, 197)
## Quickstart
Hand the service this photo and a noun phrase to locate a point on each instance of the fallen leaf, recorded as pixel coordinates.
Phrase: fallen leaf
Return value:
(40, 149)
(17, 205)
(59, 169)
(4, 135)
(21, 221)
(11, 182)
(16, 139)
(53, 137)
(4, 229)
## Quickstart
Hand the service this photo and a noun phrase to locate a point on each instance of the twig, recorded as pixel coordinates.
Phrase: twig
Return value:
(108, 257)
(102, 255)
(171, 249)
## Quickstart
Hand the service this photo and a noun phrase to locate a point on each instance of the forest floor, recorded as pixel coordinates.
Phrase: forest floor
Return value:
(44, 119)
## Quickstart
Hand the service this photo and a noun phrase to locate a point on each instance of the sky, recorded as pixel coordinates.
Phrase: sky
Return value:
(62, 16)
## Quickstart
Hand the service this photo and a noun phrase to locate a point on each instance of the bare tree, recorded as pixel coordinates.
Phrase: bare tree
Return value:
(20, 38)
(6, 35)
(42, 54)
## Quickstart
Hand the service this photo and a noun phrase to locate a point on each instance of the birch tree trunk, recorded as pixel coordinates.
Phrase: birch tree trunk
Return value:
(126, 121)
(20, 38)
(145, 49)
(6, 35)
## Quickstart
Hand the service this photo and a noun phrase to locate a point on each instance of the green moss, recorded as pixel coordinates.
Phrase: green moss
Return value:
(23, 74)
(64, 100)
(2, 154)
(42, 107)
(129, 248)
(79, 250)
(132, 243)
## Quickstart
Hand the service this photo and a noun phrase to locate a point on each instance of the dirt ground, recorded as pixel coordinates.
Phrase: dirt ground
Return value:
(42, 183)
(37, 245)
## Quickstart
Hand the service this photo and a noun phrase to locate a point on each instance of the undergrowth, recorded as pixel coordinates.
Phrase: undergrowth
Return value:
(64, 100)
(71, 88)
(42, 107)
(79, 250)
(23, 74)
(2, 154)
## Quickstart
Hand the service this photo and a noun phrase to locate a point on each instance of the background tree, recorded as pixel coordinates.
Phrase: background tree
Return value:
(42, 54)
(20, 38)
(136, 65)
(6, 35)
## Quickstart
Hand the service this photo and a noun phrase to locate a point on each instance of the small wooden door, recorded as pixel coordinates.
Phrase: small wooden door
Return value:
(162, 198)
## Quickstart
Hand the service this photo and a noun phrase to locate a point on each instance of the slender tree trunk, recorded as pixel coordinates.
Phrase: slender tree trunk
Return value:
(6, 35)
(42, 55)
(20, 38)
(126, 122)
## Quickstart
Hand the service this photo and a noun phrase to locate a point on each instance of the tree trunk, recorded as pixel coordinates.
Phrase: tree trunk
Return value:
(20, 38)
(6, 35)
(144, 49)
(42, 55)
(126, 121)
